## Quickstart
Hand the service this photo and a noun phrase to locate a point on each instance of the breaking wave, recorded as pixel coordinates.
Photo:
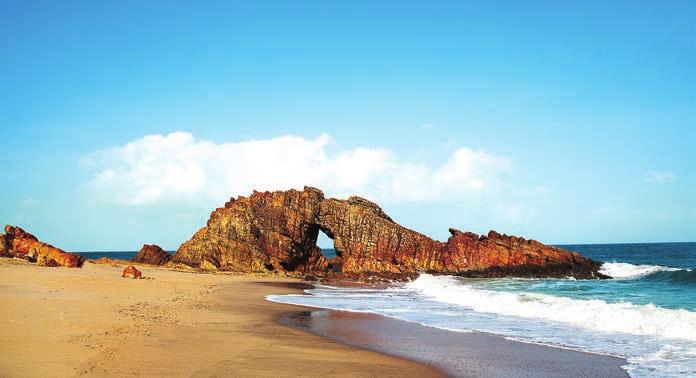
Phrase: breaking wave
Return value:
(619, 270)
(592, 314)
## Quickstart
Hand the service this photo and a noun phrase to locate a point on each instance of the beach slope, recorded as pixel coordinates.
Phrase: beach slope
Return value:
(90, 321)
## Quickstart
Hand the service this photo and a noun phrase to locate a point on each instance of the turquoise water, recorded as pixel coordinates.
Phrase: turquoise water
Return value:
(646, 313)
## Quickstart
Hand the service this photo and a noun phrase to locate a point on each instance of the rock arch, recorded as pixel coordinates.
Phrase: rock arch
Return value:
(278, 231)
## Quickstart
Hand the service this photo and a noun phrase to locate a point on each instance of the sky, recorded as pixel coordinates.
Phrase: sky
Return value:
(128, 122)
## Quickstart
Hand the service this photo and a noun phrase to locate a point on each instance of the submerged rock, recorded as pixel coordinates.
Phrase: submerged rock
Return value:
(131, 272)
(21, 244)
(152, 254)
(277, 231)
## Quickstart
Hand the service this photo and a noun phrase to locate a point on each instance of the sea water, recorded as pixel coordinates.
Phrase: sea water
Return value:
(122, 255)
(646, 313)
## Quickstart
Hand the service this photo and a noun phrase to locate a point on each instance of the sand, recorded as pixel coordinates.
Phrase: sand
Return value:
(90, 321)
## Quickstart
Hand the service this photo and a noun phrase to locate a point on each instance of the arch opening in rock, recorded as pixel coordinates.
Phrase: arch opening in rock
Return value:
(327, 246)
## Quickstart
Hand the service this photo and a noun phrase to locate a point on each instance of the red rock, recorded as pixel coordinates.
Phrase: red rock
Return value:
(263, 232)
(131, 272)
(152, 254)
(367, 240)
(4, 247)
(497, 255)
(25, 245)
(277, 231)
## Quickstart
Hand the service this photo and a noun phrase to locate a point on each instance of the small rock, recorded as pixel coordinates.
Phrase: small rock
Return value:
(131, 272)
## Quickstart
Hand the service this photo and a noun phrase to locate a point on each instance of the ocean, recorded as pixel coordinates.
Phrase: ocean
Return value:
(646, 313)
(123, 255)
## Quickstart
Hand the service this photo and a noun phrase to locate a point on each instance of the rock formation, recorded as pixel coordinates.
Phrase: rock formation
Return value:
(4, 247)
(262, 232)
(131, 272)
(19, 243)
(277, 231)
(496, 255)
(152, 254)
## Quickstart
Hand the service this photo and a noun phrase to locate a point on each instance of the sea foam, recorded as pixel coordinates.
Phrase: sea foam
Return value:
(592, 314)
(620, 270)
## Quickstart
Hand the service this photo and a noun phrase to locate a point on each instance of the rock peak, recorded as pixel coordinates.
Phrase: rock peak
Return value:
(368, 205)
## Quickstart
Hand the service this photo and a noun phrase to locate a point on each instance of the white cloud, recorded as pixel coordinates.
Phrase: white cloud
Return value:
(660, 177)
(179, 167)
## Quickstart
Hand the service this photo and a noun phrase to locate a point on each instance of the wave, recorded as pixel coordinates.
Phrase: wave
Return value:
(619, 270)
(677, 277)
(592, 314)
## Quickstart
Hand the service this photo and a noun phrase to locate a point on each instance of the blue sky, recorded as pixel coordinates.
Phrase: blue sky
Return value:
(128, 122)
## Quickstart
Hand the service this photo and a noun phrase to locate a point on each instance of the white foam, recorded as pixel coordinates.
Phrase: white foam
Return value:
(591, 314)
(629, 271)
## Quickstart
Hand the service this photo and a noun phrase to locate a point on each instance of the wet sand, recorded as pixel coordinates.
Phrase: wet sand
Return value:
(461, 354)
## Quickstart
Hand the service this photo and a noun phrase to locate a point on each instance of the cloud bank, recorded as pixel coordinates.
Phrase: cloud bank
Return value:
(179, 167)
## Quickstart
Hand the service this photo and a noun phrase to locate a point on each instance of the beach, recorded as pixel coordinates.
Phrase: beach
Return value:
(90, 321)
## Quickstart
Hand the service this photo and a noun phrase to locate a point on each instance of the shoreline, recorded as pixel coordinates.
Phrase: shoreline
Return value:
(90, 321)
(475, 354)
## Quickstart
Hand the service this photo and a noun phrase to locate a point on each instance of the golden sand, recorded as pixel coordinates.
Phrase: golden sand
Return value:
(90, 321)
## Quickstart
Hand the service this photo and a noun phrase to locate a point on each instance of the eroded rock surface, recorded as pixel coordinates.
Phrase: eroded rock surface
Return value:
(4, 247)
(19, 243)
(277, 231)
(262, 232)
(152, 254)
(131, 272)
(496, 255)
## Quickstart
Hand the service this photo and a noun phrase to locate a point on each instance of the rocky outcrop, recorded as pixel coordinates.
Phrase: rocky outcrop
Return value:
(22, 244)
(131, 272)
(496, 255)
(4, 246)
(262, 232)
(367, 240)
(152, 254)
(277, 231)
